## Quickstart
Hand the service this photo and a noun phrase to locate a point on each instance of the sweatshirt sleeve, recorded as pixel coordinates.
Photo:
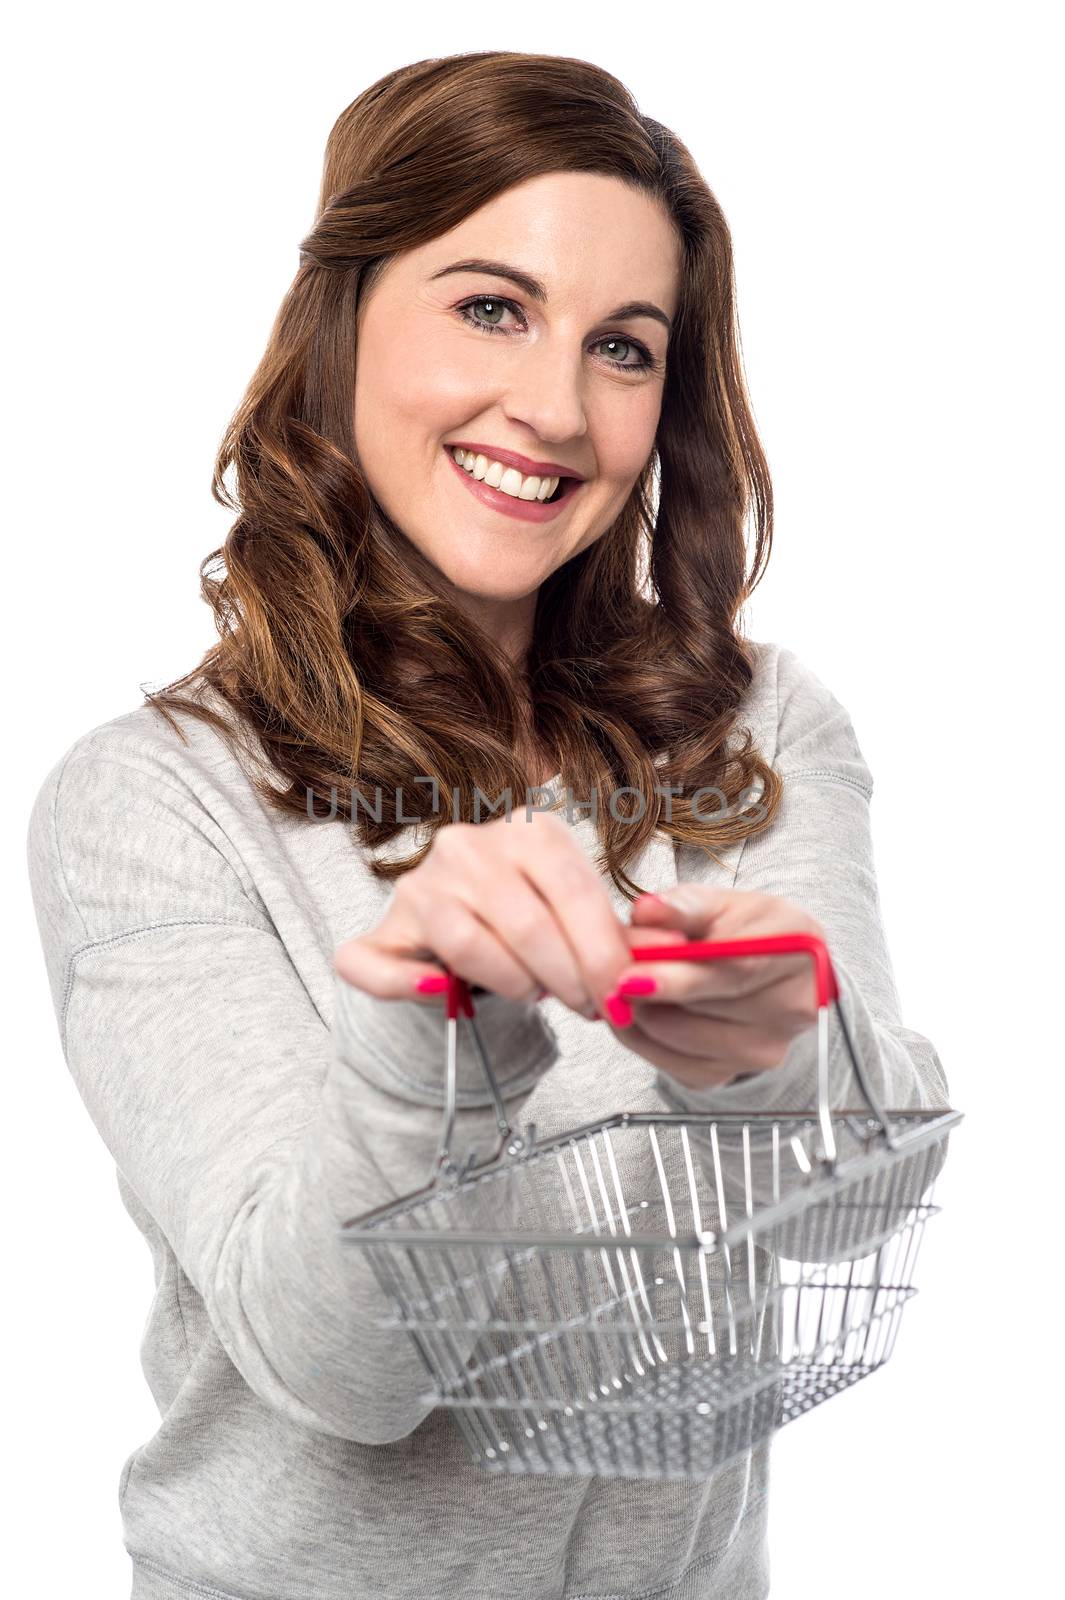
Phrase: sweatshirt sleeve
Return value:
(818, 852)
(247, 1126)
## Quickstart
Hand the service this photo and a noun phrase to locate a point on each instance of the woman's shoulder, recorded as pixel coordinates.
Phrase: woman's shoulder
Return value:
(134, 826)
(135, 785)
(797, 721)
(142, 747)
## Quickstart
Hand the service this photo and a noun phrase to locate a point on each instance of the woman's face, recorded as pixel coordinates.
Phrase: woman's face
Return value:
(555, 376)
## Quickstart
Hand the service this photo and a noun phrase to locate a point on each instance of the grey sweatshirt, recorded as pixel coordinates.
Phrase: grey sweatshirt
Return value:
(252, 1100)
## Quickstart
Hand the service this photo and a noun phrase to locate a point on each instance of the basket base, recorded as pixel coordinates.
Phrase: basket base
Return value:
(683, 1422)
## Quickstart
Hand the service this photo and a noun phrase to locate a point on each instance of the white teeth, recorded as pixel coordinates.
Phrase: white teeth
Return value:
(508, 479)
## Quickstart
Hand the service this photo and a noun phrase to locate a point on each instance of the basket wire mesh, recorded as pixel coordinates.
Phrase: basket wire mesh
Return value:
(652, 1294)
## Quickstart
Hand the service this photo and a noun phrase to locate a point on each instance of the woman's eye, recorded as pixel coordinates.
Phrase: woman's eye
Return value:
(495, 309)
(623, 350)
(626, 347)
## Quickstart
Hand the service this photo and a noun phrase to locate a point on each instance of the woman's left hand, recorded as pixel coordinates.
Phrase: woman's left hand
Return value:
(709, 1022)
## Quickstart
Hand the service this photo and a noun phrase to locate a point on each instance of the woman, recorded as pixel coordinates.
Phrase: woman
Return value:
(245, 892)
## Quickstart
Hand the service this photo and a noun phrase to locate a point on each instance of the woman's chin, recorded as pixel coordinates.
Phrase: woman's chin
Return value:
(484, 582)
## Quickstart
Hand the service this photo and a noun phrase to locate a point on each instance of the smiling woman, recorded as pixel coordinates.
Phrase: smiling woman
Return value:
(494, 478)
(481, 280)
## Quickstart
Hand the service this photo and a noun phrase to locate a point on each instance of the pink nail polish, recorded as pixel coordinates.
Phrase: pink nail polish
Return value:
(618, 1011)
(432, 983)
(633, 986)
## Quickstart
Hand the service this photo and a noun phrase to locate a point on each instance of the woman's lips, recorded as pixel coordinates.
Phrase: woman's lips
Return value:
(525, 510)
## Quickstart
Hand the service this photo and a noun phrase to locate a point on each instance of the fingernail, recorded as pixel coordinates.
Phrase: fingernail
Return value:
(618, 1011)
(637, 986)
(655, 899)
(432, 983)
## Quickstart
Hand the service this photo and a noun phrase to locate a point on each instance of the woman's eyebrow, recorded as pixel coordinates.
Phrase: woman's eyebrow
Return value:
(536, 291)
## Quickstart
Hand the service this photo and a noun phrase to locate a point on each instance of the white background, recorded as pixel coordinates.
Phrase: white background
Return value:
(893, 192)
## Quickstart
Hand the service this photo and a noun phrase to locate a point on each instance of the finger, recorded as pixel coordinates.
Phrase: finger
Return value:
(649, 910)
(525, 924)
(566, 880)
(730, 978)
(696, 1072)
(503, 896)
(748, 1009)
(388, 963)
(749, 1047)
(718, 913)
(690, 907)
(637, 936)
(389, 974)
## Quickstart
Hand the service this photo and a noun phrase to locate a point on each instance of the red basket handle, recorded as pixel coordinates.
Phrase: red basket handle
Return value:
(460, 1003)
(767, 944)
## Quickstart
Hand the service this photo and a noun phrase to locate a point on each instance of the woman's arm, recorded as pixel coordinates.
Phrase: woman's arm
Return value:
(818, 853)
(247, 1125)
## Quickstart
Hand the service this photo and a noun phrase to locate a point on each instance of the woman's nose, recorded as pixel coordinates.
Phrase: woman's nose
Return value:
(545, 393)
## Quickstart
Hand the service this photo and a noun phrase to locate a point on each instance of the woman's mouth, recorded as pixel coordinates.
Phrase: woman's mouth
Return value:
(527, 510)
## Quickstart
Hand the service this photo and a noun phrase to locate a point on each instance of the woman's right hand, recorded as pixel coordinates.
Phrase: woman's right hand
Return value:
(513, 905)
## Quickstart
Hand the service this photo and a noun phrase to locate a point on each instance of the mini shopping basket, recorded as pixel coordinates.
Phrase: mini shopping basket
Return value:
(653, 1294)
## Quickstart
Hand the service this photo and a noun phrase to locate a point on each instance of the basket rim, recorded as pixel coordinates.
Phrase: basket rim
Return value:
(932, 1127)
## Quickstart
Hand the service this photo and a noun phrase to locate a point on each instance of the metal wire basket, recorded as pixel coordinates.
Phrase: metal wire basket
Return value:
(651, 1295)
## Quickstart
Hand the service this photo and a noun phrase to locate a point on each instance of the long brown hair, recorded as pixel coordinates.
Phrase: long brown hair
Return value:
(338, 650)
